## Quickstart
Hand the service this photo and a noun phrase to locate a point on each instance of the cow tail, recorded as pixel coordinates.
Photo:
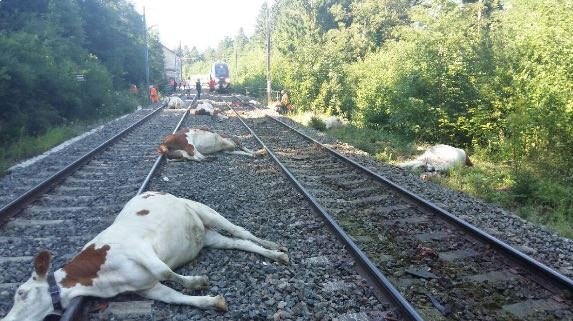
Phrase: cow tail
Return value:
(468, 161)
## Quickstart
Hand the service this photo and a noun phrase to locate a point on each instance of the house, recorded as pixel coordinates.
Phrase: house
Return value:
(172, 68)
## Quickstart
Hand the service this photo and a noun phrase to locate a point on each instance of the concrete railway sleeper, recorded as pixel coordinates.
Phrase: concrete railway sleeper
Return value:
(447, 269)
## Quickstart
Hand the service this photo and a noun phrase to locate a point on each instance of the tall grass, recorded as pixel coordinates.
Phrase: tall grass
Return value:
(27, 146)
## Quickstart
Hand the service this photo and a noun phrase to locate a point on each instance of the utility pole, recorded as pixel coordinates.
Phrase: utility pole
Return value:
(146, 58)
(236, 50)
(180, 62)
(269, 93)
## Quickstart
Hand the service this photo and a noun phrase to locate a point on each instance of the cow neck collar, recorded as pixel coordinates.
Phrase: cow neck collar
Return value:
(54, 291)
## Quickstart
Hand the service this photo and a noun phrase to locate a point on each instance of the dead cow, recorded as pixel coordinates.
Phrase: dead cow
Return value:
(439, 158)
(153, 234)
(206, 108)
(333, 122)
(175, 102)
(193, 144)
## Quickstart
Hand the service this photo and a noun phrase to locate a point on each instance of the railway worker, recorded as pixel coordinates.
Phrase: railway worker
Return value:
(174, 86)
(153, 95)
(284, 105)
(198, 88)
(211, 84)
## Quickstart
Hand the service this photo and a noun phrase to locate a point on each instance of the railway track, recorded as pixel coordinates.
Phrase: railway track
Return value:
(448, 270)
(19, 181)
(320, 282)
(81, 199)
(435, 266)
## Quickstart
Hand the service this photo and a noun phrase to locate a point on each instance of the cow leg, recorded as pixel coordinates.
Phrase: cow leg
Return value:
(198, 157)
(229, 144)
(162, 272)
(166, 294)
(212, 219)
(240, 152)
(218, 241)
(178, 155)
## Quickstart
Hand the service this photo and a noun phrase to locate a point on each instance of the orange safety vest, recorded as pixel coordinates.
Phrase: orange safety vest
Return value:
(153, 94)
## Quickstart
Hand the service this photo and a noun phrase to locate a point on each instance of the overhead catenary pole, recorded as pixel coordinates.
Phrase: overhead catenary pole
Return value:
(146, 58)
(180, 63)
(269, 94)
(236, 73)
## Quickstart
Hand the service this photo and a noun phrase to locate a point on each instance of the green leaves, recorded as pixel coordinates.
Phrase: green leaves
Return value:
(45, 44)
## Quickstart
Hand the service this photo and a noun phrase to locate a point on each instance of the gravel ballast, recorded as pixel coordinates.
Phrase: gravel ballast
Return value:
(71, 214)
(27, 174)
(320, 283)
(532, 239)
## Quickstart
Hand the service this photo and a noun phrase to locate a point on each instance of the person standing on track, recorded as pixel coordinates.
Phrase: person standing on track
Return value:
(198, 88)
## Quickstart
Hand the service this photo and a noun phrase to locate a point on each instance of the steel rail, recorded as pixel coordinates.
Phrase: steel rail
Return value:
(538, 269)
(369, 267)
(74, 311)
(161, 158)
(29, 196)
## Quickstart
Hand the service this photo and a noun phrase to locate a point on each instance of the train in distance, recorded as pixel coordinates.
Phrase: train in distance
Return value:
(220, 75)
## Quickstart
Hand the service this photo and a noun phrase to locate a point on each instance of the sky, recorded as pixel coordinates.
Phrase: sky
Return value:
(200, 23)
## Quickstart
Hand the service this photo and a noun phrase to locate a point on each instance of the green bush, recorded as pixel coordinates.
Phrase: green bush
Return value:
(45, 45)
(317, 123)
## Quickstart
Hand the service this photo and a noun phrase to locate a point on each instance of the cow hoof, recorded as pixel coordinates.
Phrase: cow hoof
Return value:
(261, 153)
(221, 303)
(283, 259)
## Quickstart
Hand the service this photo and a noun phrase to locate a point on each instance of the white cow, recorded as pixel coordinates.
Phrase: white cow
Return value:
(175, 102)
(195, 143)
(332, 122)
(206, 108)
(439, 158)
(153, 234)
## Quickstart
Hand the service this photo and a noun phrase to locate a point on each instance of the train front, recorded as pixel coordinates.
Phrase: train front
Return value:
(220, 72)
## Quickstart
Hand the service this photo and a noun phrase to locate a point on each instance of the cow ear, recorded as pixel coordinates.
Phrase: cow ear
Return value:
(42, 263)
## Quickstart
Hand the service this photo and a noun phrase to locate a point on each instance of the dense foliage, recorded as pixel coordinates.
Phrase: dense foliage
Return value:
(46, 44)
(489, 74)
(494, 76)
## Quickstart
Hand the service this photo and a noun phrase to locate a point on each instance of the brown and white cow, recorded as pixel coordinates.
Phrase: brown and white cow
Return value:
(153, 234)
(194, 143)
(439, 158)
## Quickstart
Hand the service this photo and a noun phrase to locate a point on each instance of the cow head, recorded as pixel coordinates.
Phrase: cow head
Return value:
(162, 149)
(32, 301)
